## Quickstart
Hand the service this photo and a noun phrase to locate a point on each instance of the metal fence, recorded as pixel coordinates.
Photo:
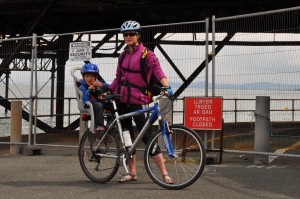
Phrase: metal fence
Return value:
(259, 58)
(246, 56)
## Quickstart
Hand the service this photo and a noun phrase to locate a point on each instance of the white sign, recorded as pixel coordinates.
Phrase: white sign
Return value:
(80, 51)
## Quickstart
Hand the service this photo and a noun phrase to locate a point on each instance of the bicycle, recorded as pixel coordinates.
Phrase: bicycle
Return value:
(101, 154)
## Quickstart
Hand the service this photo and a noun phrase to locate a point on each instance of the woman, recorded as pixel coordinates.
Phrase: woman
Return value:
(128, 82)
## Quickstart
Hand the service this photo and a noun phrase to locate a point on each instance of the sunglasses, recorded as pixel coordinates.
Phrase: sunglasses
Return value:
(131, 34)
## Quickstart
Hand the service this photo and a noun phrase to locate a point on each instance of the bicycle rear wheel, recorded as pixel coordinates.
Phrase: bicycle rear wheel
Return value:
(96, 167)
(187, 165)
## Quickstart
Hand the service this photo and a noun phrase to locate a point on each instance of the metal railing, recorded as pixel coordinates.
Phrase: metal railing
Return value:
(234, 132)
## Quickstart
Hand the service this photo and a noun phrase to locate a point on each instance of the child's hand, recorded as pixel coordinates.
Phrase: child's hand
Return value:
(97, 84)
(94, 83)
(91, 86)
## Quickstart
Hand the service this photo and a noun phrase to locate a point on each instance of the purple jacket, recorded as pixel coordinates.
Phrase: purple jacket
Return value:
(132, 62)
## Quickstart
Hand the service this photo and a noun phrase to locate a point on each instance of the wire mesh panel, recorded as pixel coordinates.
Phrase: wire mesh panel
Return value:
(178, 47)
(15, 84)
(257, 55)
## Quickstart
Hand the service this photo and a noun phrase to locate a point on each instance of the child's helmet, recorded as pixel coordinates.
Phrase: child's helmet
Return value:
(130, 25)
(90, 68)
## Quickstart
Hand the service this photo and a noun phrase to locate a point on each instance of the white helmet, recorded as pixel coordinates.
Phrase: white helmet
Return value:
(130, 25)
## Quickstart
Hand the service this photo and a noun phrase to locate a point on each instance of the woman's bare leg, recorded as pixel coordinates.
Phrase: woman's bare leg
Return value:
(132, 170)
(160, 162)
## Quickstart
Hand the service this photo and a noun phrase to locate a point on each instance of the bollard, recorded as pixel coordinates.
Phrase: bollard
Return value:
(16, 126)
(262, 128)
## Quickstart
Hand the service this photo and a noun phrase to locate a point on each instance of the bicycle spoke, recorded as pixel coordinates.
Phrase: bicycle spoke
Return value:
(96, 167)
(188, 163)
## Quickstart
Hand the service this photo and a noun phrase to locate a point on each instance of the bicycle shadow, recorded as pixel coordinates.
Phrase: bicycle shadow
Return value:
(111, 185)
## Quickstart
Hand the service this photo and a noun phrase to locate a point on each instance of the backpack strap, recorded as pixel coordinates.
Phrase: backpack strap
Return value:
(142, 71)
(143, 66)
(121, 62)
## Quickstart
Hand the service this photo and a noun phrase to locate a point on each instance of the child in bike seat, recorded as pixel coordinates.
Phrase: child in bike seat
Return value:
(90, 73)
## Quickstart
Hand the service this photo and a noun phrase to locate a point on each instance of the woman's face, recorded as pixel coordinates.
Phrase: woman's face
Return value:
(131, 37)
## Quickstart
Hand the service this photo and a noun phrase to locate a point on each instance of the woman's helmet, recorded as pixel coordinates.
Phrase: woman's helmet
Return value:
(90, 68)
(130, 25)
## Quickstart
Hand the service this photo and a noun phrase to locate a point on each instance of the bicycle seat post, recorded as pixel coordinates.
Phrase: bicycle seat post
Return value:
(118, 120)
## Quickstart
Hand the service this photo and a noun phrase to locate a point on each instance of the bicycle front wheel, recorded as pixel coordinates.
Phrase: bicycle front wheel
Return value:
(96, 167)
(187, 165)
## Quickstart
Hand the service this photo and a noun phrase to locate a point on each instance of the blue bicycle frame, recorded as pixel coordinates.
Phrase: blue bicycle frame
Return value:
(155, 113)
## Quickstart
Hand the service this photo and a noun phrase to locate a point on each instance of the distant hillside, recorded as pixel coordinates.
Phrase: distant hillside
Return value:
(247, 86)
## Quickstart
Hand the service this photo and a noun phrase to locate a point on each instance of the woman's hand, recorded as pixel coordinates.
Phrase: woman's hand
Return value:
(170, 91)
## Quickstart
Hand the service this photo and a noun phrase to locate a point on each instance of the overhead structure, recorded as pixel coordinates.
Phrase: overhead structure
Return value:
(21, 18)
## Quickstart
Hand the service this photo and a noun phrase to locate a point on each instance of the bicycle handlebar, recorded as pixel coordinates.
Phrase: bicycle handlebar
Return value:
(164, 92)
(105, 96)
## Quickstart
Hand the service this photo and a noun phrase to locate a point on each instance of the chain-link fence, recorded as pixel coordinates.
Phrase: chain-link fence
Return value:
(250, 55)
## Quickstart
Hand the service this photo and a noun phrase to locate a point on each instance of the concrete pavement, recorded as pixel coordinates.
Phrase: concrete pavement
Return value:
(57, 174)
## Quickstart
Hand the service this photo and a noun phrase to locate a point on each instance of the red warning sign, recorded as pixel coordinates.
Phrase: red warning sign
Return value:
(203, 113)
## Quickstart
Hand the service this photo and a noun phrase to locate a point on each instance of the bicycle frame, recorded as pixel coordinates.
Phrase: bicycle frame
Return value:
(155, 114)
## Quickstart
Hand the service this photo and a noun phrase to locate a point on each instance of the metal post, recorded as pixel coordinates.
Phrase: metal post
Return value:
(262, 128)
(32, 64)
(36, 90)
(69, 113)
(206, 69)
(235, 110)
(206, 56)
(30, 149)
(213, 74)
(7, 86)
(52, 86)
(213, 57)
(293, 110)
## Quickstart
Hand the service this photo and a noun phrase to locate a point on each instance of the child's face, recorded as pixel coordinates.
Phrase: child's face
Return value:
(89, 78)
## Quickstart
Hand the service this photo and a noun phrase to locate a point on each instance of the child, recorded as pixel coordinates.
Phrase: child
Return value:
(90, 73)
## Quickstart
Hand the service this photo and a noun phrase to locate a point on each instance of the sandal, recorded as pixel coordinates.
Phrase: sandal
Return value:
(168, 179)
(128, 177)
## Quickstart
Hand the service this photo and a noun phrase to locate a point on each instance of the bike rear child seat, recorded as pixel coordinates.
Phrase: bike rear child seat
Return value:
(79, 94)
(85, 109)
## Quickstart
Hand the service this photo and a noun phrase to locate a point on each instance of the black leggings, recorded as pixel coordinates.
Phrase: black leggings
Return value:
(139, 120)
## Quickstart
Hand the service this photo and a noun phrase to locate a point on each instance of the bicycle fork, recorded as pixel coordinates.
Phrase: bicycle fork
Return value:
(164, 126)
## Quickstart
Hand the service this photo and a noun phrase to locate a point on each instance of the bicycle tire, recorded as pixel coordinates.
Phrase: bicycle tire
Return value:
(189, 164)
(98, 169)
